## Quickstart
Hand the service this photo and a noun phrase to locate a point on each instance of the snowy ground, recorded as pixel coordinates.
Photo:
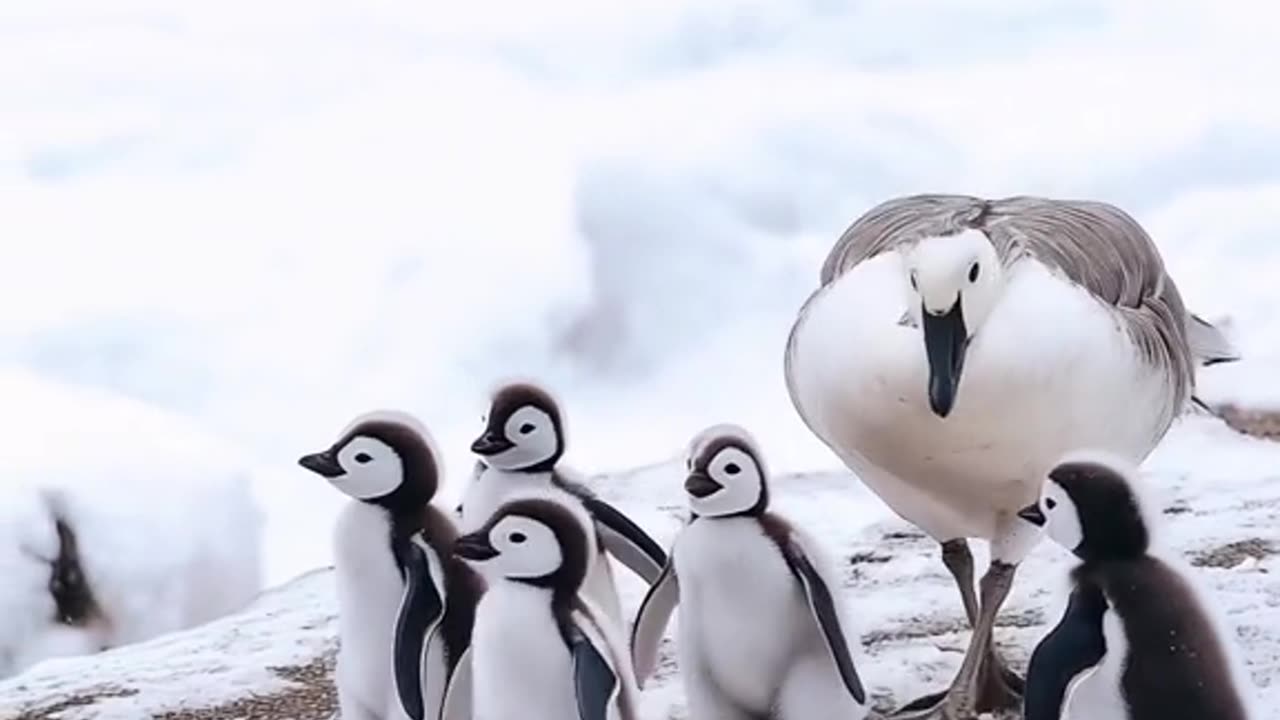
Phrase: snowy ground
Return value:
(1219, 492)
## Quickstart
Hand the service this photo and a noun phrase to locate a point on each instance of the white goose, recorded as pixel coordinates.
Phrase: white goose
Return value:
(957, 347)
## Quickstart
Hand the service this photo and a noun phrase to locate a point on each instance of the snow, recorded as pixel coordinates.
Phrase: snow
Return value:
(229, 227)
(164, 517)
(1212, 488)
(221, 661)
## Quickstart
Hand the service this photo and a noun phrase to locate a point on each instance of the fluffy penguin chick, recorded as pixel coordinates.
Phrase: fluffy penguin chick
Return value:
(521, 449)
(405, 605)
(541, 650)
(1135, 643)
(761, 633)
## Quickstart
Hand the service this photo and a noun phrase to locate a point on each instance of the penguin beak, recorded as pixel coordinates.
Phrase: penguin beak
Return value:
(700, 485)
(475, 546)
(324, 464)
(945, 340)
(1033, 514)
(491, 443)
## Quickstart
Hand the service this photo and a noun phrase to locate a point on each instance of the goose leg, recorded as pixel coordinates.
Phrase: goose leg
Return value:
(992, 685)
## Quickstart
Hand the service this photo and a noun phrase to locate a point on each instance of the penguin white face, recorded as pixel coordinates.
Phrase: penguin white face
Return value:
(1057, 515)
(533, 437)
(516, 547)
(364, 467)
(523, 431)
(534, 540)
(1092, 506)
(725, 477)
(381, 458)
(1062, 515)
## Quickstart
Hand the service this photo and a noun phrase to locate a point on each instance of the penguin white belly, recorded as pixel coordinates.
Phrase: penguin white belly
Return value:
(521, 667)
(1097, 694)
(369, 588)
(742, 614)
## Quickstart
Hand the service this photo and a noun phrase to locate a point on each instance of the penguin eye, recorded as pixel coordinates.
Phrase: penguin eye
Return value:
(973, 272)
(526, 428)
(516, 537)
(1051, 503)
(732, 468)
(363, 457)
(914, 284)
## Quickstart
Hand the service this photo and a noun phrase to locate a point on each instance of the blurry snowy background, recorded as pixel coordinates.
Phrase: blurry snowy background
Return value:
(263, 218)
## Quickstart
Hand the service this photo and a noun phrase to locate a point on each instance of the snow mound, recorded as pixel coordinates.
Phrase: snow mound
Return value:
(164, 518)
(1215, 489)
(254, 652)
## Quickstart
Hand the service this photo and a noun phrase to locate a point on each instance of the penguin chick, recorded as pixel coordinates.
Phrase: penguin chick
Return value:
(761, 633)
(541, 649)
(405, 605)
(1134, 643)
(521, 449)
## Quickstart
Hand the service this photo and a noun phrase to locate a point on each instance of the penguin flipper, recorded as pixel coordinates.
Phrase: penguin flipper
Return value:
(421, 610)
(1074, 645)
(596, 684)
(457, 696)
(651, 621)
(625, 540)
(822, 605)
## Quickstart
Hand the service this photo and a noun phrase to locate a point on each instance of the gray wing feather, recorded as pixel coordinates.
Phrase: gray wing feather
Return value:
(1102, 249)
(898, 222)
(1209, 344)
(1094, 245)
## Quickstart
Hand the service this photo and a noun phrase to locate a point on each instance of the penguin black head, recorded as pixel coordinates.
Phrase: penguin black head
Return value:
(385, 458)
(1090, 507)
(533, 540)
(525, 430)
(727, 474)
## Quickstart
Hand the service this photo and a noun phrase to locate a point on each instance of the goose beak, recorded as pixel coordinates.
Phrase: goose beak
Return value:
(945, 341)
